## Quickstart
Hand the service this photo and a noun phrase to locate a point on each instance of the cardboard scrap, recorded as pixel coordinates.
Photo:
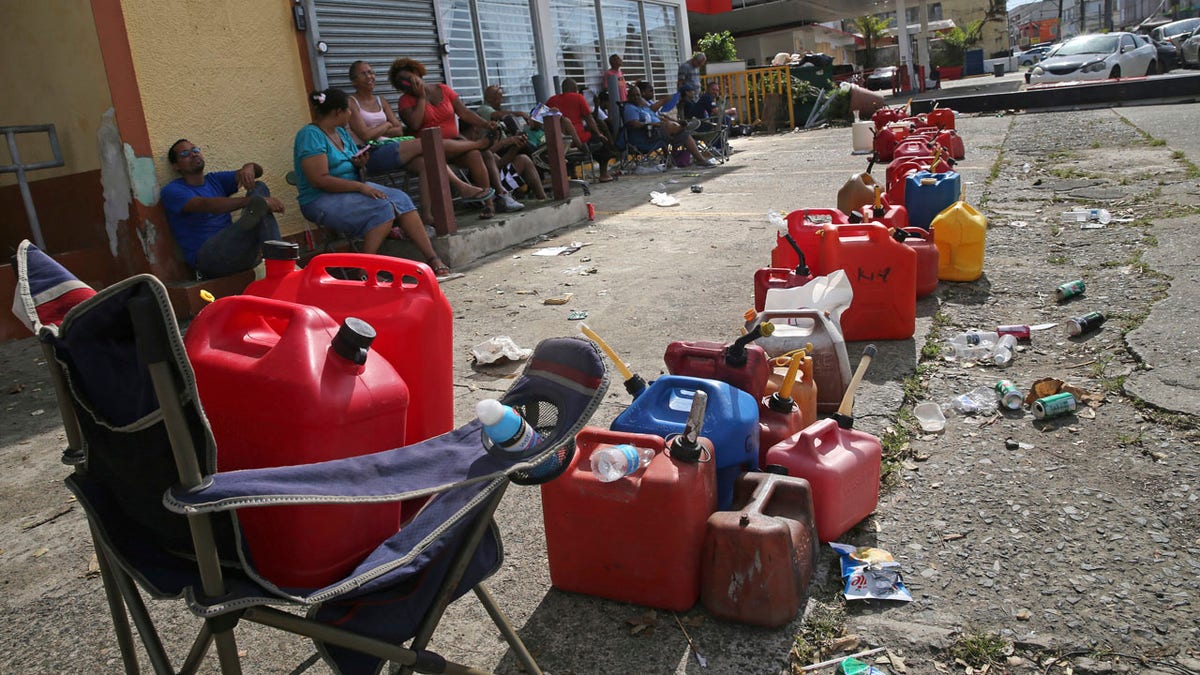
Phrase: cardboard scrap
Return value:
(1049, 386)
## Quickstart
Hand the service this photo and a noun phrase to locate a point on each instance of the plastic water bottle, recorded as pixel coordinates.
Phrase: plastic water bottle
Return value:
(619, 461)
(974, 337)
(1101, 216)
(506, 429)
(1002, 353)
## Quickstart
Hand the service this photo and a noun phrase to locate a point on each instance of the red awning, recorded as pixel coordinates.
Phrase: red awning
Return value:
(710, 6)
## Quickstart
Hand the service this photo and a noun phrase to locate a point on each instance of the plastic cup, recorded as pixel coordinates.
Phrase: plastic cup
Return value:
(929, 416)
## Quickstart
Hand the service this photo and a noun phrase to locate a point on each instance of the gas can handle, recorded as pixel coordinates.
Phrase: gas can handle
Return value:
(763, 492)
(372, 264)
(825, 431)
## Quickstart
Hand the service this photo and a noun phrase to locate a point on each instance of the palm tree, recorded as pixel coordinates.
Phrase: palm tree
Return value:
(872, 28)
(958, 40)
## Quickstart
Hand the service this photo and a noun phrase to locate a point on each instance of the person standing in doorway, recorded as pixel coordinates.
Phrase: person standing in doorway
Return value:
(614, 70)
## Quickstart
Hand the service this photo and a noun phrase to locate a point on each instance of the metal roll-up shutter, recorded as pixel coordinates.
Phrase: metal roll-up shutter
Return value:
(378, 31)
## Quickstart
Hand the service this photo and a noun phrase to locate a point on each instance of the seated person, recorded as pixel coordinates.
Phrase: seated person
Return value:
(198, 207)
(327, 161)
(493, 110)
(574, 107)
(373, 121)
(509, 167)
(642, 121)
(426, 104)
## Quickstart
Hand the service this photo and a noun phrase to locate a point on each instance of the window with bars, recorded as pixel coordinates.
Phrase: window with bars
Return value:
(577, 34)
(623, 35)
(509, 58)
(662, 36)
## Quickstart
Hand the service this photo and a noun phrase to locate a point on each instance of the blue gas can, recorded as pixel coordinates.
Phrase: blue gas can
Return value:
(928, 194)
(730, 422)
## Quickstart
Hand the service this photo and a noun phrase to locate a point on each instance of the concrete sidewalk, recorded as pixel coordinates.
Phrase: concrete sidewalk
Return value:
(646, 275)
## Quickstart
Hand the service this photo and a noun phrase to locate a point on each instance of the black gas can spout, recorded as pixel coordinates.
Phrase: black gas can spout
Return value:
(871, 162)
(802, 268)
(686, 446)
(735, 354)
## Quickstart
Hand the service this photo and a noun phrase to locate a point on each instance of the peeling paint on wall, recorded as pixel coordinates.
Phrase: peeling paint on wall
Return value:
(114, 177)
(141, 177)
(148, 235)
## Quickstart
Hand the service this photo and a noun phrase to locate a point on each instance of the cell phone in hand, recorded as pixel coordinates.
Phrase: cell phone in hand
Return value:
(362, 151)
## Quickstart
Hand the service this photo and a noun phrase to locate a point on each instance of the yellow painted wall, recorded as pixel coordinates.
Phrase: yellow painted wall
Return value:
(226, 75)
(52, 73)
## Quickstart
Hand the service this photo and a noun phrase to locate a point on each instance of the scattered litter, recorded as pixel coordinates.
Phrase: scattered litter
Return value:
(691, 645)
(577, 315)
(498, 349)
(1043, 326)
(1049, 386)
(697, 188)
(1026, 167)
(929, 415)
(1014, 444)
(977, 400)
(1018, 223)
(852, 666)
(1101, 216)
(558, 301)
(526, 292)
(870, 573)
(838, 660)
(663, 199)
(559, 250)
(643, 623)
(37, 412)
(581, 270)
(1091, 225)
(642, 170)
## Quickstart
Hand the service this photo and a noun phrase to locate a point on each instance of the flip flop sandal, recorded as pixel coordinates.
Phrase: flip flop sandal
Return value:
(488, 211)
(481, 198)
(439, 270)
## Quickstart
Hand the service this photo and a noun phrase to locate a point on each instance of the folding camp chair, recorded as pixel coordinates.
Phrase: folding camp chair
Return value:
(162, 520)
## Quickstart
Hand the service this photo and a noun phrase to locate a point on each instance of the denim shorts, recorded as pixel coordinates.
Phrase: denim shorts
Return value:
(355, 213)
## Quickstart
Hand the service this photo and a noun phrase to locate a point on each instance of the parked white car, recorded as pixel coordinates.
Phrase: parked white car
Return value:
(1189, 50)
(1096, 57)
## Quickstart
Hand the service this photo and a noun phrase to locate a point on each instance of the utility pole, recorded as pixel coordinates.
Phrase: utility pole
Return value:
(1058, 24)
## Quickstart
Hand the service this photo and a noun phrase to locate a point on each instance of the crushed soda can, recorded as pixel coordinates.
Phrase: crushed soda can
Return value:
(870, 573)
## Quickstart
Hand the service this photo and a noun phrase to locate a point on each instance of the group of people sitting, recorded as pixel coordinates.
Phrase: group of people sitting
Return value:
(359, 133)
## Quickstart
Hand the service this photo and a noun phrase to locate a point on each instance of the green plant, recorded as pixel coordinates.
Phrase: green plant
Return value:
(718, 46)
(957, 40)
(839, 107)
(978, 650)
(872, 28)
(825, 622)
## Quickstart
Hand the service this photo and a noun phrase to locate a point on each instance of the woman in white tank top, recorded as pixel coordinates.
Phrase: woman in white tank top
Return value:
(372, 119)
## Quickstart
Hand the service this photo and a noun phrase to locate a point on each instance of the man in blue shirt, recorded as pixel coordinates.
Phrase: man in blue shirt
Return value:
(199, 205)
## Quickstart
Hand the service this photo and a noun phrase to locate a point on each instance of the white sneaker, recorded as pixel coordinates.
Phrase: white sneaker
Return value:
(507, 203)
(709, 162)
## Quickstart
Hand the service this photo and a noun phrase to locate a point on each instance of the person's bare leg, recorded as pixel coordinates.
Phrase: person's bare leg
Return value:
(473, 162)
(373, 239)
(696, 154)
(456, 147)
(493, 171)
(532, 177)
(414, 229)
(409, 150)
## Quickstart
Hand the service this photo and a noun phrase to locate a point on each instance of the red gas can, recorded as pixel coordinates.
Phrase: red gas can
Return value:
(637, 539)
(279, 389)
(775, 277)
(402, 300)
(746, 368)
(885, 116)
(807, 228)
(941, 117)
(779, 415)
(883, 274)
(921, 241)
(898, 169)
(886, 140)
(841, 465)
(882, 211)
(952, 142)
(759, 556)
(913, 146)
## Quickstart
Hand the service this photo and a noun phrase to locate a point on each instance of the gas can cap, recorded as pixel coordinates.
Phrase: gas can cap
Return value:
(281, 250)
(353, 340)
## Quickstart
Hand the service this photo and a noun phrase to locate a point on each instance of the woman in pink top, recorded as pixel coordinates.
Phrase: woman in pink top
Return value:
(371, 119)
(423, 105)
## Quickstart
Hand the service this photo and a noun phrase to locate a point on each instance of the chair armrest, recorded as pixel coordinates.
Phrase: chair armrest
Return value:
(435, 465)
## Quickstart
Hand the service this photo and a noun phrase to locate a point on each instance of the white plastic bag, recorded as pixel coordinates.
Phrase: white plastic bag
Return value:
(497, 349)
(831, 293)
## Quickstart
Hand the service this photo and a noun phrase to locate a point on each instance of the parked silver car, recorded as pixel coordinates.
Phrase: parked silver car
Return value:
(1096, 57)
(1176, 31)
(1189, 50)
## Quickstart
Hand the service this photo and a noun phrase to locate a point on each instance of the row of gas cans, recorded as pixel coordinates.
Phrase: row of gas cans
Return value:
(349, 356)
(720, 529)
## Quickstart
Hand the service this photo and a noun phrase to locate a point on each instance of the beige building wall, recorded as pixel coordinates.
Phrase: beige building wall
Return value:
(52, 72)
(963, 12)
(226, 75)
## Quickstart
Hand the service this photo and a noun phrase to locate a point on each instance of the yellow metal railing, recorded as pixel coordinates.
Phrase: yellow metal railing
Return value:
(756, 93)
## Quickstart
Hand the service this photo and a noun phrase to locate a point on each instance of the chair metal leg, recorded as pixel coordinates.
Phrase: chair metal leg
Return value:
(116, 610)
(141, 620)
(204, 640)
(506, 629)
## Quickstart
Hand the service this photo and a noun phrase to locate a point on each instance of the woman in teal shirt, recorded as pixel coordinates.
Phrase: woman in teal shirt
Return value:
(327, 161)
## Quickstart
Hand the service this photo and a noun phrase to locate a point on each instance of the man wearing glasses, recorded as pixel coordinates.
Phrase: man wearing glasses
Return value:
(199, 205)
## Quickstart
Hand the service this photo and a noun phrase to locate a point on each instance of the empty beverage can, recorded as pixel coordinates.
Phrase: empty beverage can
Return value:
(1087, 322)
(1070, 290)
(1010, 396)
(1054, 406)
(1019, 332)
(591, 209)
